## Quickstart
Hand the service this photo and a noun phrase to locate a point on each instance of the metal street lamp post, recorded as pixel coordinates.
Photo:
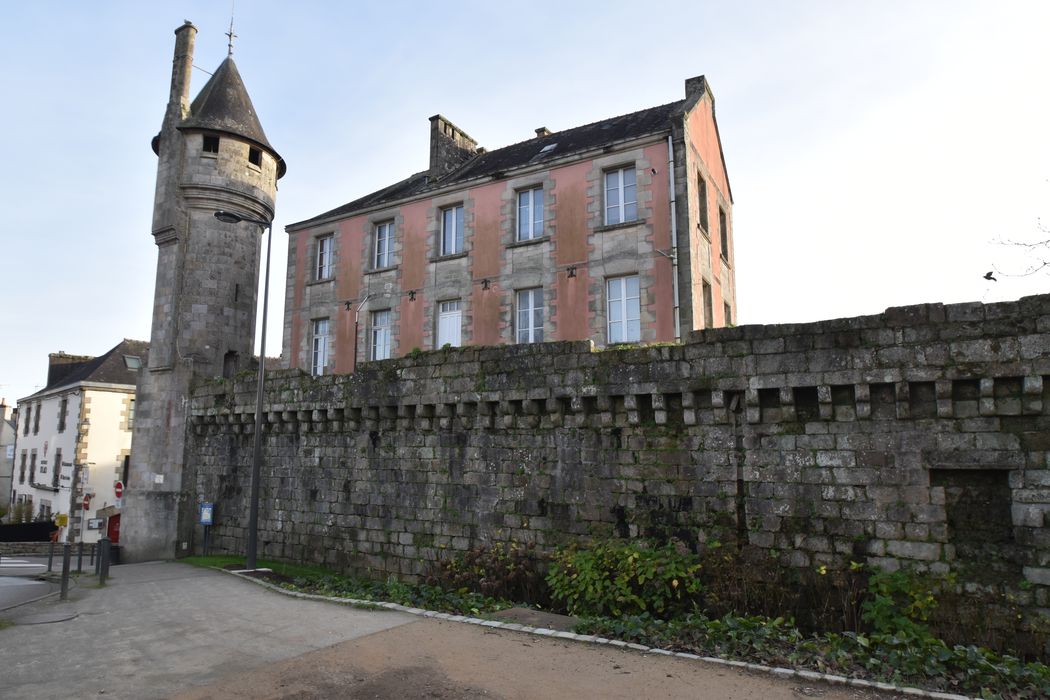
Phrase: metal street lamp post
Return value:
(253, 510)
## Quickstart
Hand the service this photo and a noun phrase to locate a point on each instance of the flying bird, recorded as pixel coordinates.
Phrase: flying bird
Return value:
(988, 276)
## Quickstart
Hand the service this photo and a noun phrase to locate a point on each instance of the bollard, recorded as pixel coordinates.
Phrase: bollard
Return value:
(80, 558)
(92, 562)
(50, 554)
(103, 560)
(96, 555)
(66, 553)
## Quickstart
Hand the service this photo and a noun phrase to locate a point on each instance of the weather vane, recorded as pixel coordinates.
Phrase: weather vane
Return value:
(230, 33)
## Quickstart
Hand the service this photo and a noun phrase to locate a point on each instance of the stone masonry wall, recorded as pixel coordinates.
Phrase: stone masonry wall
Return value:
(920, 435)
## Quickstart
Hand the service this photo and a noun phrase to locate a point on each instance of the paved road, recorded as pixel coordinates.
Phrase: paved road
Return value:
(171, 630)
(17, 586)
(159, 628)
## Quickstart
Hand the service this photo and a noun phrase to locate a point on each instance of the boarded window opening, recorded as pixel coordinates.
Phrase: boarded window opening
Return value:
(966, 394)
(977, 508)
(769, 404)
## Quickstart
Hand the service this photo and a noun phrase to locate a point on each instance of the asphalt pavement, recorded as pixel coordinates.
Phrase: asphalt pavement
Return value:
(160, 628)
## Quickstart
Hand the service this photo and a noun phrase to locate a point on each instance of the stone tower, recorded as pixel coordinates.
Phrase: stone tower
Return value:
(213, 155)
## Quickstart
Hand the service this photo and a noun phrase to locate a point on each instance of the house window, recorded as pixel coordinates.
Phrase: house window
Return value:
(255, 157)
(319, 356)
(36, 420)
(381, 335)
(530, 214)
(450, 324)
(452, 230)
(211, 144)
(530, 315)
(32, 467)
(56, 468)
(22, 469)
(131, 413)
(621, 199)
(624, 310)
(728, 314)
(709, 307)
(723, 234)
(701, 194)
(384, 245)
(325, 246)
(28, 419)
(63, 408)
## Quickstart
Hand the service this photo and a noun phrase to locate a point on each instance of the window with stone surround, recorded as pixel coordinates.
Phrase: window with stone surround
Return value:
(63, 409)
(381, 334)
(624, 309)
(325, 247)
(709, 307)
(56, 468)
(530, 214)
(255, 157)
(530, 315)
(723, 234)
(210, 144)
(701, 200)
(384, 245)
(621, 197)
(319, 347)
(450, 324)
(452, 230)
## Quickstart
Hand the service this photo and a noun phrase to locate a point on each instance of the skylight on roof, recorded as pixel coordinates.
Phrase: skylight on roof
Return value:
(545, 151)
(133, 362)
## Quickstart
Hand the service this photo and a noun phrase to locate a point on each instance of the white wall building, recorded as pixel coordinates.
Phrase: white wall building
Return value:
(7, 450)
(82, 418)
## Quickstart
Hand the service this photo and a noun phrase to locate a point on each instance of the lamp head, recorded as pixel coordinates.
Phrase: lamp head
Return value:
(228, 217)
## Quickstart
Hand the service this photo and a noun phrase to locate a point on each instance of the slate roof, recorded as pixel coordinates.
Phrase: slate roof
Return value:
(501, 160)
(223, 105)
(108, 368)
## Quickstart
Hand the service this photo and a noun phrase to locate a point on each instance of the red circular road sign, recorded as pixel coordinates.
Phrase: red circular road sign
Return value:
(118, 489)
(87, 502)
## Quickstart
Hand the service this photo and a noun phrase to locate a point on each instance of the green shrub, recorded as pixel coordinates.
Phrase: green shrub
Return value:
(617, 577)
(511, 571)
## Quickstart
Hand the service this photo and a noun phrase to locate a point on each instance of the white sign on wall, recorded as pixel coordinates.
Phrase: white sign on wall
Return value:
(10, 451)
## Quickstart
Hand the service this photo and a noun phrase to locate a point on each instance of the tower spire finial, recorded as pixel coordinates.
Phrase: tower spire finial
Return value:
(230, 33)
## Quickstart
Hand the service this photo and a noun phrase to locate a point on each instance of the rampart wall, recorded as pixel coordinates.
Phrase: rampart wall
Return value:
(920, 435)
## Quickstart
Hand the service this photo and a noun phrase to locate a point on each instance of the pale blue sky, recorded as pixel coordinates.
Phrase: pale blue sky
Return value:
(875, 148)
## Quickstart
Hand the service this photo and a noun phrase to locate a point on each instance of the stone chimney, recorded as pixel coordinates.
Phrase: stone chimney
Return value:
(542, 131)
(696, 87)
(182, 66)
(450, 147)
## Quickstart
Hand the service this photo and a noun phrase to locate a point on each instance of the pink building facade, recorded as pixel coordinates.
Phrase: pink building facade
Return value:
(618, 231)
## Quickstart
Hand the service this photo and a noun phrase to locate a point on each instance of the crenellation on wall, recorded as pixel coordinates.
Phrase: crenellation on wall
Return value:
(846, 440)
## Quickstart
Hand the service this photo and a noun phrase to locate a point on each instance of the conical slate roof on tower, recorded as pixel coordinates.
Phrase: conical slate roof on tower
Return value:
(223, 105)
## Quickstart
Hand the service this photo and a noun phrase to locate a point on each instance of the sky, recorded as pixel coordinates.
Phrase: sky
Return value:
(880, 152)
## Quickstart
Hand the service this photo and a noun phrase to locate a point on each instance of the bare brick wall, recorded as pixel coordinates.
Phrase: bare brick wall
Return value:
(920, 435)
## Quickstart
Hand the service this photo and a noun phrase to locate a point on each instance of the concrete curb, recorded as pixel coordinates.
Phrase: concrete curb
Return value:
(780, 672)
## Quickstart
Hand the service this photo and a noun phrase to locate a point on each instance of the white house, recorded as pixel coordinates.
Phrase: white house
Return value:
(81, 419)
